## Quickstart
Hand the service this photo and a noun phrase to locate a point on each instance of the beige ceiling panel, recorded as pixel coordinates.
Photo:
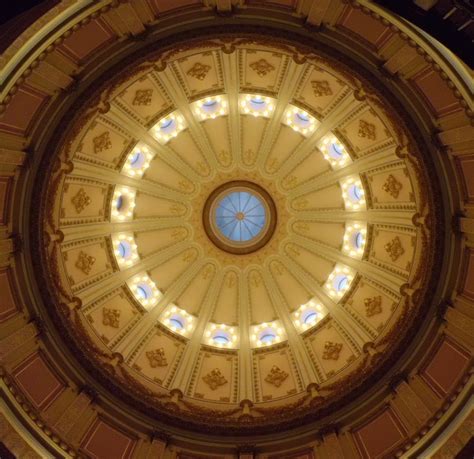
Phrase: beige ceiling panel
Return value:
(285, 144)
(215, 376)
(164, 274)
(227, 305)
(195, 293)
(252, 130)
(331, 234)
(83, 201)
(319, 268)
(149, 242)
(294, 293)
(164, 174)
(309, 167)
(159, 357)
(185, 147)
(261, 305)
(147, 205)
(329, 197)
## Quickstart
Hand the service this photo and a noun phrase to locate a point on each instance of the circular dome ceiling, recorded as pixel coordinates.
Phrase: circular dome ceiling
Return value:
(237, 231)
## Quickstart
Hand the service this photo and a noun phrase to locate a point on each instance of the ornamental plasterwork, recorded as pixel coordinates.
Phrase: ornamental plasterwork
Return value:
(143, 97)
(367, 130)
(80, 200)
(214, 379)
(276, 376)
(331, 350)
(199, 71)
(321, 88)
(394, 248)
(392, 186)
(85, 262)
(111, 317)
(102, 142)
(373, 306)
(157, 358)
(262, 67)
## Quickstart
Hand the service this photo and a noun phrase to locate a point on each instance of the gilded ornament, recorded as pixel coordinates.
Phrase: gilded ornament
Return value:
(394, 248)
(157, 358)
(367, 130)
(111, 317)
(373, 306)
(262, 67)
(248, 156)
(143, 97)
(199, 71)
(301, 204)
(321, 88)
(85, 262)
(331, 350)
(102, 142)
(81, 200)
(214, 379)
(392, 186)
(177, 209)
(276, 376)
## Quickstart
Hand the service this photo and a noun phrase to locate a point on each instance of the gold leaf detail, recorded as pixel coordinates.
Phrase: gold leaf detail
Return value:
(373, 306)
(111, 317)
(262, 67)
(157, 358)
(321, 88)
(367, 130)
(102, 142)
(84, 262)
(392, 186)
(276, 376)
(394, 248)
(248, 156)
(214, 379)
(331, 350)
(143, 97)
(301, 204)
(199, 71)
(81, 200)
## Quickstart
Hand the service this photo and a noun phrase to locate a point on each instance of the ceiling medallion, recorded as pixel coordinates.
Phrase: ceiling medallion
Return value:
(239, 217)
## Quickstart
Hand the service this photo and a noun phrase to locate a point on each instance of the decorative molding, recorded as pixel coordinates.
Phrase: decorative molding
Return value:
(143, 97)
(331, 350)
(321, 88)
(85, 262)
(276, 376)
(102, 142)
(392, 186)
(373, 306)
(111, 317)
(366, 130)
(199, 71)
(80, 200)
(394, 248)
(214, 379)
(157, 358)
(262, 67)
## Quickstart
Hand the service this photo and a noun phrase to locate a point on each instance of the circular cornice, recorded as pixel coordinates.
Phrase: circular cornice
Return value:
(352, 382)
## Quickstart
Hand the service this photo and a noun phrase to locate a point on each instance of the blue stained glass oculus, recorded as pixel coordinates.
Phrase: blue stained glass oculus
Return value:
(240, 216)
